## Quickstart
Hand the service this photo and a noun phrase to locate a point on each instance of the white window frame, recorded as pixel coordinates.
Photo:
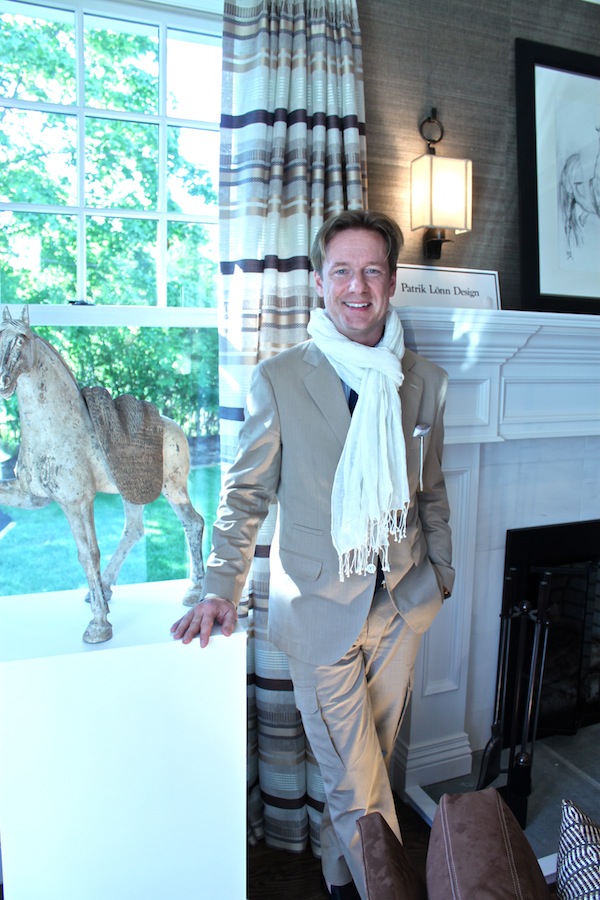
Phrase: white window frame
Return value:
(203, 15)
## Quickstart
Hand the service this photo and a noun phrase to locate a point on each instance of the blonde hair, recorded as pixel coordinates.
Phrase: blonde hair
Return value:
(357, 218)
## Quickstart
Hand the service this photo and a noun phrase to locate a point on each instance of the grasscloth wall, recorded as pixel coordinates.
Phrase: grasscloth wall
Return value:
(458, 55)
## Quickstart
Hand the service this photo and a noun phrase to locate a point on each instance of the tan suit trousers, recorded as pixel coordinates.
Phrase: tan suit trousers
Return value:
(351, 712)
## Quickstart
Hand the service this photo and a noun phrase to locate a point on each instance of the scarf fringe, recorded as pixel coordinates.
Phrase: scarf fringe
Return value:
(363, 560)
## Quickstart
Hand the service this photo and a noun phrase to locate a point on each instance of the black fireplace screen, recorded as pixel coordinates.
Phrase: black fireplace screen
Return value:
(567, 558)
(548, 679)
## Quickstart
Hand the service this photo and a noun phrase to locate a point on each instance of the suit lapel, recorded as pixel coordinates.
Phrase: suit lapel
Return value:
(411, 391)
(324, 386)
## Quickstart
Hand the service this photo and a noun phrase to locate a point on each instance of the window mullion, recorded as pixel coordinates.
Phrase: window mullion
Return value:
(81, 219)
(162, 229)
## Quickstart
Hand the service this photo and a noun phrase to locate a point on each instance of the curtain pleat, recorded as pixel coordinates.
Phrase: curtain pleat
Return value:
(293, 152)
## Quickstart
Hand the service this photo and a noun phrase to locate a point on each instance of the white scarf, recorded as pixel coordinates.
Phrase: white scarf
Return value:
(370, 494)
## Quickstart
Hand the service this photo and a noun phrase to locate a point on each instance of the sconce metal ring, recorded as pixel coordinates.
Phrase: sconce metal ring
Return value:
(433, 121)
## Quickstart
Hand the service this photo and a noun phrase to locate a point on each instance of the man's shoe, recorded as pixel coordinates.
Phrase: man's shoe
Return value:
(344, 892)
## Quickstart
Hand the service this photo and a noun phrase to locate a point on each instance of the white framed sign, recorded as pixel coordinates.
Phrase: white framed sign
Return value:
(439, 286)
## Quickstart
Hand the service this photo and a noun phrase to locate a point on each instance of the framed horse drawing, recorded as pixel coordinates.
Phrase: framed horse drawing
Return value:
(76, 443)
(558, 149)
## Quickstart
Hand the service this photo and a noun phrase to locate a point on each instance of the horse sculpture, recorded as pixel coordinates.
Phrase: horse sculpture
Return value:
(77, 443)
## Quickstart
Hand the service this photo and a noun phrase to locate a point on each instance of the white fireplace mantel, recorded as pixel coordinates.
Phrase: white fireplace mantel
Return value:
(512, 374)
(522, 449)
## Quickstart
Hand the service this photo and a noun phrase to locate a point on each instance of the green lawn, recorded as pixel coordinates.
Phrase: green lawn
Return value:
(38, 553)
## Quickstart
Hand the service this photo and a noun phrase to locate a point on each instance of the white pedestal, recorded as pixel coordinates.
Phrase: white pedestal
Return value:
(123, 764)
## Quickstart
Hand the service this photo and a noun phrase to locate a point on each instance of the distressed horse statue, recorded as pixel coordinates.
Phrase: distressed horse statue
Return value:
(77, 443)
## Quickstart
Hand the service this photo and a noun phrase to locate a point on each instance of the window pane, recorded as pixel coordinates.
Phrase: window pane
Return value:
(116, 161)
(191, 265)
(121, 65)
(37, 157)
(121, 261)
(176, 370)
(37, 53)
(193, 170)
(121, 164)
(193, 76)
(37, 258)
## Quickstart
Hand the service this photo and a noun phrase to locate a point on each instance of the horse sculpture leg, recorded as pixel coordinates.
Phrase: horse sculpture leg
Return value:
(133, 531)
(176, 468)
(12, 494)
(81, 522)
(193, 525)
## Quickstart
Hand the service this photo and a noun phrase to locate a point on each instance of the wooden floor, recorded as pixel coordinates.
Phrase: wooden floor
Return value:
(279, 875)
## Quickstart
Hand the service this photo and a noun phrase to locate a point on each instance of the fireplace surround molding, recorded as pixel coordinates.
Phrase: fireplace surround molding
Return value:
(512, 374)
(516, 380)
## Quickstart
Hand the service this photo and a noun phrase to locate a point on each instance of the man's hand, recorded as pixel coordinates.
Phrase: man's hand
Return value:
(201, 618)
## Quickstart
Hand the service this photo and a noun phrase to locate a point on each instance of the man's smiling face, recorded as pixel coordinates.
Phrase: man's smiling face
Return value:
(356, 284)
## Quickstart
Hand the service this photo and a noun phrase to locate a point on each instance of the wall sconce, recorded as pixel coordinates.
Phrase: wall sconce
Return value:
(440, 190)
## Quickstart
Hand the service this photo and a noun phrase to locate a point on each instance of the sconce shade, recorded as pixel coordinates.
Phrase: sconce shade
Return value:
(441, 193)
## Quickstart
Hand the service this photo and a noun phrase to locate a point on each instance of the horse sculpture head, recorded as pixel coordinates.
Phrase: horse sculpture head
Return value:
(16, 350)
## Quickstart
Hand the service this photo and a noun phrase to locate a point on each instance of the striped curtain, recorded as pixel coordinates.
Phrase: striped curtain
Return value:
(293, 152)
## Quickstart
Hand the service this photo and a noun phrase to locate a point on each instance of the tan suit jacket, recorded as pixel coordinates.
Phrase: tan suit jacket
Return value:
(296, 423)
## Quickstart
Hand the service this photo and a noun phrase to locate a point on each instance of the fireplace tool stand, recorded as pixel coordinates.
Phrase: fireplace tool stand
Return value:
(516, 621)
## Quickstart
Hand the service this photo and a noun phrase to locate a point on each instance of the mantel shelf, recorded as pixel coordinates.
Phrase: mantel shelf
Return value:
(512, 374)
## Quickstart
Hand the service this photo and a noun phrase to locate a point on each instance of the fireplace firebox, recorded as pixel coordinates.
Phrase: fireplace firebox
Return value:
(567, 557)
(548, 679)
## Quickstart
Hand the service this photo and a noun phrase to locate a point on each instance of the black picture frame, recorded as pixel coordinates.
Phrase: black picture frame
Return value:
(558, 155)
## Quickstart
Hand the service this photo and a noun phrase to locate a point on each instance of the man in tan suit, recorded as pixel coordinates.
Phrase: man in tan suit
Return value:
(361, 559)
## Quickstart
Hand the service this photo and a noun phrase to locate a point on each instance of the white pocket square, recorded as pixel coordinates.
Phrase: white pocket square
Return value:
(421, 430)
